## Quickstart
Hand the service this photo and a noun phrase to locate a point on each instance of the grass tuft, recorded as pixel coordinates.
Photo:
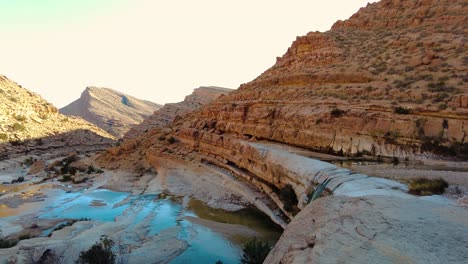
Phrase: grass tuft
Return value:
(424, 186)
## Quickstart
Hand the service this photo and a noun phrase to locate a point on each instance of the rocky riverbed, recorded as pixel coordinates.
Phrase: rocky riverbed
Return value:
(170, 217)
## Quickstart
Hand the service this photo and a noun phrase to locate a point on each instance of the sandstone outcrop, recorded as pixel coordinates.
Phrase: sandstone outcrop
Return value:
(164, 116)
(377, 85)
(110, 110)
(29, 124)
(374, 230)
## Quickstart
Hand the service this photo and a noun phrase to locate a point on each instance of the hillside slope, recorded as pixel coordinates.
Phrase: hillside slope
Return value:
(30, 124)
(164, 116)
(110, 110)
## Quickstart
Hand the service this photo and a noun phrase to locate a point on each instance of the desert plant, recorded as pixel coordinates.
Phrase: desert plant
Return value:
(3, 136)
(425, 186)
(336, 112)
(255, 251)
(25, 236)
(19, 180)
(99, 253)
(90, 169)
(18, 127)
(172, 140)
(402, 111)
(29, 161)
(66, 178)
(20, 118)
(7, 243)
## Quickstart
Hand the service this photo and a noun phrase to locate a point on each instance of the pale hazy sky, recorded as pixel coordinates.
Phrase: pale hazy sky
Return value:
(151, 49)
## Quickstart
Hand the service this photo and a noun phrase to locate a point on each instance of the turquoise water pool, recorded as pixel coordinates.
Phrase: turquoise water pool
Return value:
(156, 214)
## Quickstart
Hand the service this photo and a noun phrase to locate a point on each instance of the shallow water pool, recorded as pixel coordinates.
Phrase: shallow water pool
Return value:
(156, 214)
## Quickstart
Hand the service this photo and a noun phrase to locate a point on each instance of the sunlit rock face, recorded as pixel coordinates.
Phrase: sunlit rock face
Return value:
(29, 124)
(110, 110)
(389, 82)
(164, 116)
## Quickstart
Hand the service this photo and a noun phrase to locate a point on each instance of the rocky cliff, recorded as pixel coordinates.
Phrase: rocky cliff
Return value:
(388, 82)
(385, 82)
(169, 112)
(29, 124)
(110, 110)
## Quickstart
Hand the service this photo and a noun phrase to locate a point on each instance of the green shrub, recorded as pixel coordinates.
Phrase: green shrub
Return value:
(90, 169)
(20, 118)
(25, 236)
(99, 253)
(18, 127)
(66, 178)
(424, 186)
(29, 161)
(7, 243)
(255, 251)
(3, 136)
(171, 140)
(336, 112)
(402, 111)
(288, 196)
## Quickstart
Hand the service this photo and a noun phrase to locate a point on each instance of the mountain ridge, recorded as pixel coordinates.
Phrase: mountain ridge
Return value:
(111, 110)
(29, 124)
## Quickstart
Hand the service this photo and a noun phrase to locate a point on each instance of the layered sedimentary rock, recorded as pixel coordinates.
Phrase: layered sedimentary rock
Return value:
(377, 84)
(29, 124)
(110, 110)
(169, 112)
(388, 82)
(366, 87)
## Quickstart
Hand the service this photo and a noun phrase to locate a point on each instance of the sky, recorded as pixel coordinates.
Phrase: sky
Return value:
(151, 49)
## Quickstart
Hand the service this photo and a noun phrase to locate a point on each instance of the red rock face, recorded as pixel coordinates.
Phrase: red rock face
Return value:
(343, 91)
(389, 81)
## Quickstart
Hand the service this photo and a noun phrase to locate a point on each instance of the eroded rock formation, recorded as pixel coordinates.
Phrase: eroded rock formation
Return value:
(389, 82)
(164, 116)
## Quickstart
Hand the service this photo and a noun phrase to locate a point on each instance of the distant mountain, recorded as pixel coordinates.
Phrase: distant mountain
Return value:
(29, 124)
(165, 115)
(110, 110)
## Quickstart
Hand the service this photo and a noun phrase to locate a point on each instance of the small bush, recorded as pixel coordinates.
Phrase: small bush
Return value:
(171, 140)
(255, 251)
(402, 111)
(18, 127)
(7, 243)
(99, 253)
(29, 161)
(424, 186)
(3, 136)
(90, 169)
(19, 180)
(20, 118)
(66, 178)
(25, 236)
(336, 112)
